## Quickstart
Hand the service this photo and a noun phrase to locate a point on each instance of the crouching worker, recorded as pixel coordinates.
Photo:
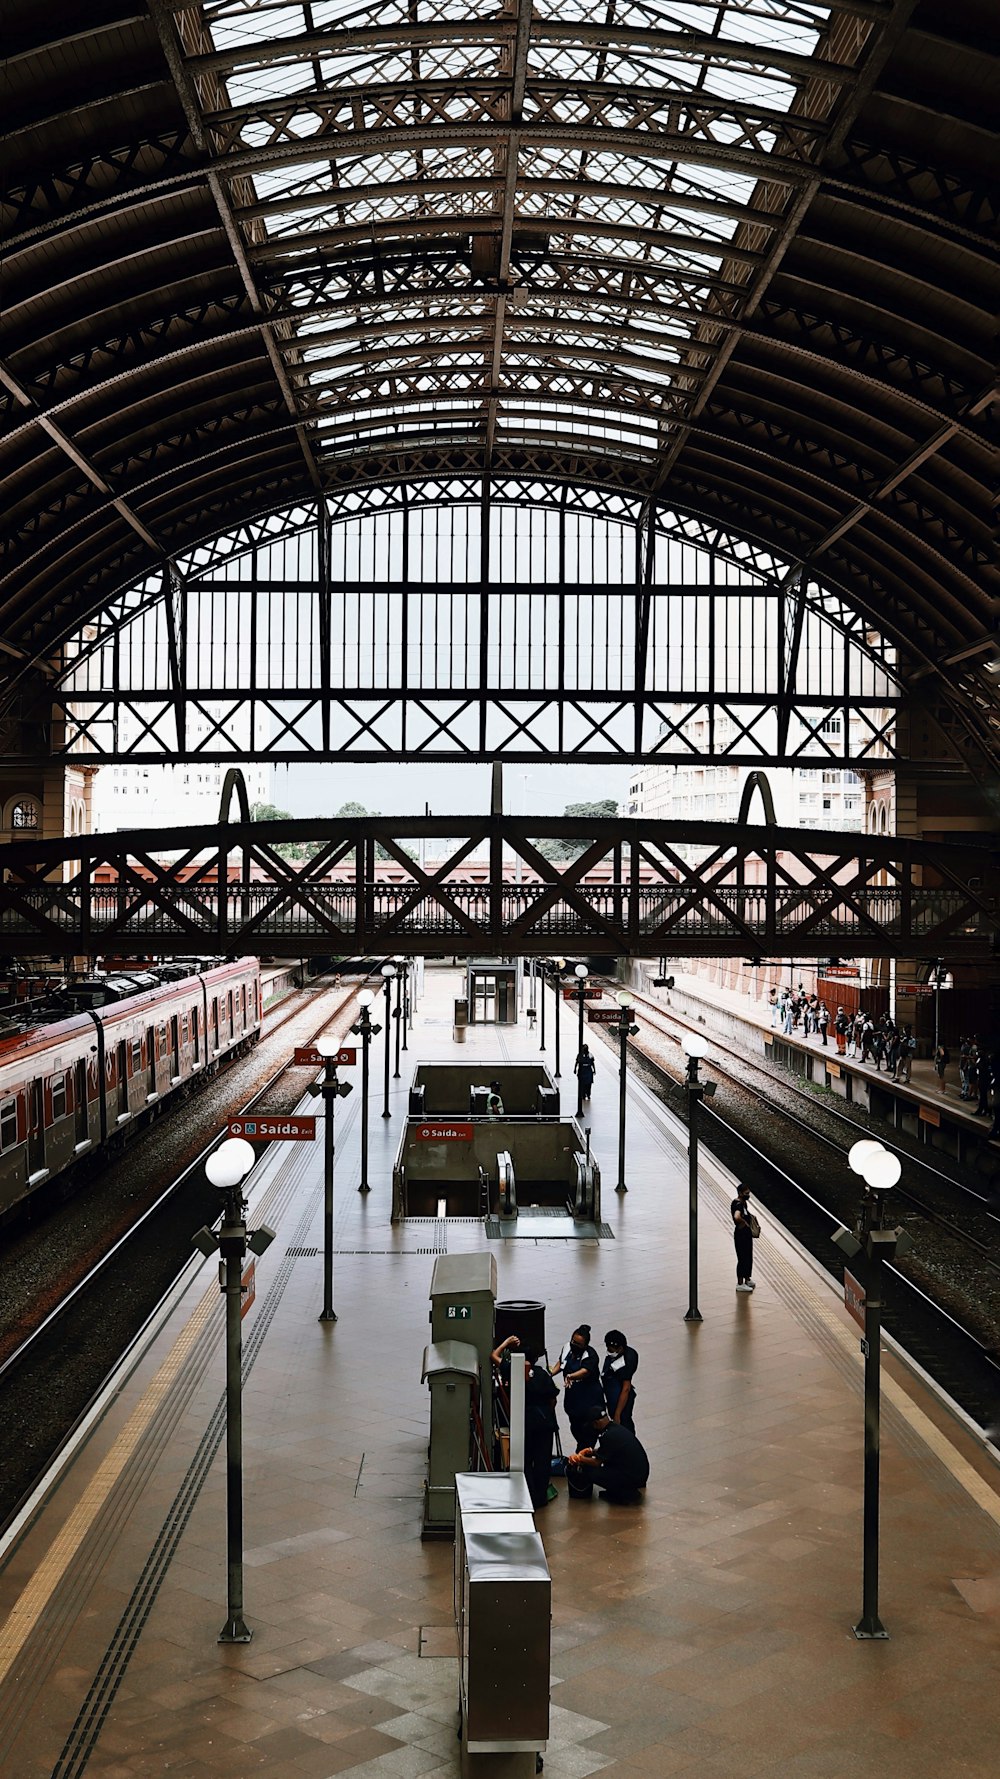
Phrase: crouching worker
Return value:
(616, 1463)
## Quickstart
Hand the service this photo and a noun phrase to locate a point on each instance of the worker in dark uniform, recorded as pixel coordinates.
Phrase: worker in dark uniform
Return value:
(583, 1392)
(621, 1362)
(539, 1415)
(617, 1463)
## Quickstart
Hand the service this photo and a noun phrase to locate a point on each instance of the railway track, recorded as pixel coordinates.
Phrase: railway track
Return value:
(943, 1305)
(53, 1373)
(975, 1221)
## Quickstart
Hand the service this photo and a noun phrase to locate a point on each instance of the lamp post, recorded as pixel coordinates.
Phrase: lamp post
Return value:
(405, 964)
(330, 1090)
(227, 1168)
(560, 965)
(400, 963)
(541, 999)
(942, 979)
(581, 973)
(366, 1031)
(388, 972)
(695, 1047)
(626, 1030)
(880, 1170)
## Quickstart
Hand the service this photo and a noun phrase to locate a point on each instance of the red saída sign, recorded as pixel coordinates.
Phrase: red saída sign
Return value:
(589, 994)
(306, 1056)
(273, 1130)
(605, 1015)
(445, 1132)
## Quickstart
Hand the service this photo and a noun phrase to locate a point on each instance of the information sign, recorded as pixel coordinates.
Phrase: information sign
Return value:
(589, 994)
(273, 1130)
(930, 1115)
(913, 988)
(458, 1312)
(306, 1056)
(854, 1298)
(604, 1015)
(248, 1286)
(443, 1133)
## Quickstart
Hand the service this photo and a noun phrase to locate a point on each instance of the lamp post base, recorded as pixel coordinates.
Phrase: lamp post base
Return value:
(621, 1186)
(693, 1316)
(387, 1114)
(364, 1187)
(327, 1316)
(235, 1630)
(871, 1630)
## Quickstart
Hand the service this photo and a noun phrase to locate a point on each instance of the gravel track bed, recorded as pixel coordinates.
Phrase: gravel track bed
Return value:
(952, 1273)
(42, 1399)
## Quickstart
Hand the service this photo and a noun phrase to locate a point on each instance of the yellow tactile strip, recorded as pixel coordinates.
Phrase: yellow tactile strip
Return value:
(28, 1609)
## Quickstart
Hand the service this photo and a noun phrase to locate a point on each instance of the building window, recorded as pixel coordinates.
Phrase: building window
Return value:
(8, 1123)
(24, 815)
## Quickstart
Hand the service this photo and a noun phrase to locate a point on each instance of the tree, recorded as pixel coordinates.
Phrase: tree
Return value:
(566, 848)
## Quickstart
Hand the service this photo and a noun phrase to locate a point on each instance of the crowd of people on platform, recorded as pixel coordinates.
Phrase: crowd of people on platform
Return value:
(599, 1400)
(889, 1044)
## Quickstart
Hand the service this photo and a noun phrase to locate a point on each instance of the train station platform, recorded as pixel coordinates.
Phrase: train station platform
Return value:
(930, 1108)
(703, 1635)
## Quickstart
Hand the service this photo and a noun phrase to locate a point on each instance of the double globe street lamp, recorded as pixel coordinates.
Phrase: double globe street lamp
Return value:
(364, 1029)
(880, 1170)
(695, 1048)
(388, 973)
(227, 1168)
(581, 973)
(626, 1029)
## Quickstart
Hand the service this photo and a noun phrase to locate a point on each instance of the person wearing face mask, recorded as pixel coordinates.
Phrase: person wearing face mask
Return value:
(583, 1393)
(621, 1362)
(539, 1416)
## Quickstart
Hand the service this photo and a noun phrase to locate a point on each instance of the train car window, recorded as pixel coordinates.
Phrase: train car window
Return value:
(195, 1034)
(229, 1011)
(8, 1123)
(58, 1089)
(136, 1055)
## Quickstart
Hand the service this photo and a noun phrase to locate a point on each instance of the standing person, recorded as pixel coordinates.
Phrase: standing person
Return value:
(856, 1030)
(621, 1362)
(942, 1057)
(840, 1026)
(586, 1068)
(983, 1102)
(878, 1047)
(772, 1001)
(617, 1464)
(539, 1415)
(583, 1395)
(907, 1048)
(743, 1222)
(965, 1049)
(823, 1021)
(788, 1017)
(893, 1051)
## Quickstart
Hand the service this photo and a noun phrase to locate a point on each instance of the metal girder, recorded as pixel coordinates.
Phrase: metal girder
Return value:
(173, 52)
(770, 891)
(878, 54)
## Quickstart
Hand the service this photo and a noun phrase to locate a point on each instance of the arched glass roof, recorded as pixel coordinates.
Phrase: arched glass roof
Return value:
(730, 258)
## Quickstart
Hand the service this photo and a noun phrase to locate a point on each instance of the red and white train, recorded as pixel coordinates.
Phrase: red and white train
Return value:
(89, 1079)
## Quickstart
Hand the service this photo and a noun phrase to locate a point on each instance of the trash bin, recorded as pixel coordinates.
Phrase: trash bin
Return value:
(460, 1022)
(451, 1370)
(418, 1095)
(525, 1319)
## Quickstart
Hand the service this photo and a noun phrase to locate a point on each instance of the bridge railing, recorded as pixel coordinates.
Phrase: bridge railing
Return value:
(534, 916)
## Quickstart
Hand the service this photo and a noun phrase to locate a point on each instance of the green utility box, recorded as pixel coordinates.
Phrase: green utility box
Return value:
(451, 1369)
(463, 1299)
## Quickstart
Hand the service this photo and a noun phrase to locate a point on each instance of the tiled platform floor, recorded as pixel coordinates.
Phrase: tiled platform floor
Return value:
(705, 1635)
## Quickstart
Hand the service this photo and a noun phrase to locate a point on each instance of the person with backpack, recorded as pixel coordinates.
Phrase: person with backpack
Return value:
(840, 1026)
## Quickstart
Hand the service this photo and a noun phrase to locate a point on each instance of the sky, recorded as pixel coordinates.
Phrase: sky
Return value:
(395, 789)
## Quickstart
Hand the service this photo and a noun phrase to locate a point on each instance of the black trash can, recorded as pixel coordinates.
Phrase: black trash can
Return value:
(417, 1107)
(526, 1320)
